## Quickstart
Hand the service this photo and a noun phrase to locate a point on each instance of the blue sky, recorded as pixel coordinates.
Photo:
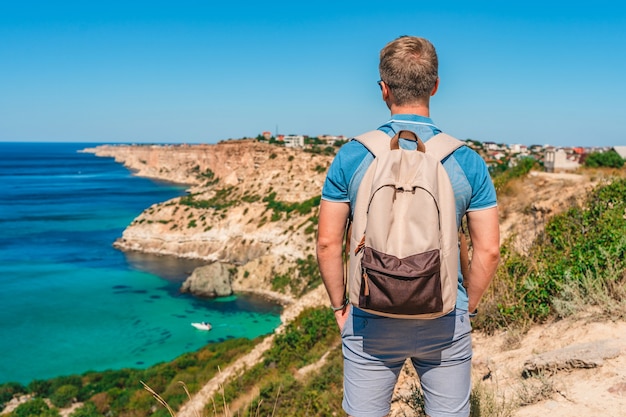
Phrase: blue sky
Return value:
(537, 72)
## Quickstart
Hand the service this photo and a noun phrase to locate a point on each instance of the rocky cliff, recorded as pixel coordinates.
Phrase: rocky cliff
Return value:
(250, 205)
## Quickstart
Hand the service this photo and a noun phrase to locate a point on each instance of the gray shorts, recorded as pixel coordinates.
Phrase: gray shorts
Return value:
(375, 349)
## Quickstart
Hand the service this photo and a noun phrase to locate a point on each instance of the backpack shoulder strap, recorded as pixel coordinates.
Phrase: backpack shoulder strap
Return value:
(441, 145)
(376, 141)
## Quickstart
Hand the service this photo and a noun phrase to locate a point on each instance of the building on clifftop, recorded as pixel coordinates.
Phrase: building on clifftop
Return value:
(558, 160)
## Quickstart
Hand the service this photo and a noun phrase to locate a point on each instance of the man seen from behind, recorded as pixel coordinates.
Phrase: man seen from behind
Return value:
(375, 347)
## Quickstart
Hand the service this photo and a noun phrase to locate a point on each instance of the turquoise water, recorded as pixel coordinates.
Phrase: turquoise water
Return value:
(70, 302)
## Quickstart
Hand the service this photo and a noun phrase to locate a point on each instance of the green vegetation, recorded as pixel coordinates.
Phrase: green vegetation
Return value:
(327, 150)
(300, 279)
(313, 141)
(247, 198)
(87, 410)
(578, 261)
(279, 207)
(220, 201)
(304, 342)
(272, 140)
(8, 390)
(225, 198)
(311, 228)
(35, 408)
(311, 145)
(309, 273)
(281, 281)
(503, 176)
(320, 169)
(321, 395)
(209, 176)
(63, 396)
(118, 393)
(609, 159)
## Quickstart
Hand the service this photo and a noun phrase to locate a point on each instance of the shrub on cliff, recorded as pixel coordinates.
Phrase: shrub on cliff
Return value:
(303, 342)
(64, 395)
(302, 208)
(35, 407)
(580, 255)
(609, 159)
(8, 390)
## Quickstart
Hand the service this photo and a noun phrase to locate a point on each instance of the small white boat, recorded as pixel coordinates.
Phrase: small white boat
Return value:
(202, 326)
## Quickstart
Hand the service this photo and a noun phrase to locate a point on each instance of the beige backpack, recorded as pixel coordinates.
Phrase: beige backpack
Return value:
(404, 241)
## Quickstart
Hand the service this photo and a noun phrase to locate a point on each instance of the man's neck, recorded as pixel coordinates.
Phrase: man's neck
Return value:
(418, 109)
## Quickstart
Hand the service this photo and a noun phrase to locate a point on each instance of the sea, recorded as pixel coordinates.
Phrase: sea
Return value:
(69, 301)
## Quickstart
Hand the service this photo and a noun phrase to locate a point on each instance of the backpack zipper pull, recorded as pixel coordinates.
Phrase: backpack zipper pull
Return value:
(360, 245)
(366, 291)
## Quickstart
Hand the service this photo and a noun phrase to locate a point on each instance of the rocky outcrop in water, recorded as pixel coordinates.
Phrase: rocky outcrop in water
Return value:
(210, 281)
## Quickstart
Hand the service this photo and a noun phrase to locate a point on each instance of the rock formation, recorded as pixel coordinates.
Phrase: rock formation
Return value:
(250, 204)
(209, 281)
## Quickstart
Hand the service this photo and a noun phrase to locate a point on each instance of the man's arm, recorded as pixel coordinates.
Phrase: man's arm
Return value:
(484, 232)
(330, 233)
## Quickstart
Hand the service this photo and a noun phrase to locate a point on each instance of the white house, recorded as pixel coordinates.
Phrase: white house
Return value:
(294, 141)
(557, 160)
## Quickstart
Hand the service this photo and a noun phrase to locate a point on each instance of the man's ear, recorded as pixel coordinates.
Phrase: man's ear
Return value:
(432, 93)
(384, 89)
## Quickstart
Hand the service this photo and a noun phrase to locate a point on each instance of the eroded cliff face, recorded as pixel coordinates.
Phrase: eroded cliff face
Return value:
(250, 204)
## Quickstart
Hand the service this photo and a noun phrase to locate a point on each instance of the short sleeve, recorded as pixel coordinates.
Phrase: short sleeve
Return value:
(483, 191)
(341, 171)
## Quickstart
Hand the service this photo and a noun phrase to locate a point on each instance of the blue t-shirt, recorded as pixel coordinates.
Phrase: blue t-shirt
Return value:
(473, 188)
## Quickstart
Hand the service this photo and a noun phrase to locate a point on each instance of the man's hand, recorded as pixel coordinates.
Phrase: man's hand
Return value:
(342, 316)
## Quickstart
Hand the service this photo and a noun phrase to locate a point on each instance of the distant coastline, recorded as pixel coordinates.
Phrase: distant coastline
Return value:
(236, 212)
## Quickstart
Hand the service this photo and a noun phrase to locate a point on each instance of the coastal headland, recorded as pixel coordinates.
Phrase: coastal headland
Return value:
(251, 209)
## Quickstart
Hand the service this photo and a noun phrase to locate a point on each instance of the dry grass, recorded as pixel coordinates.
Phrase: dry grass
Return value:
(534, 390)
(162, 401)
(486, 402)
(227, 412)
(606, 290)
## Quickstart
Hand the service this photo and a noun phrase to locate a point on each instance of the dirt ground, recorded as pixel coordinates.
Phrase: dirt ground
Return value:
(599, 391)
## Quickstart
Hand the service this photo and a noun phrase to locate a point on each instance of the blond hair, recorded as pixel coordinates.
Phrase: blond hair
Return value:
(409, 67)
